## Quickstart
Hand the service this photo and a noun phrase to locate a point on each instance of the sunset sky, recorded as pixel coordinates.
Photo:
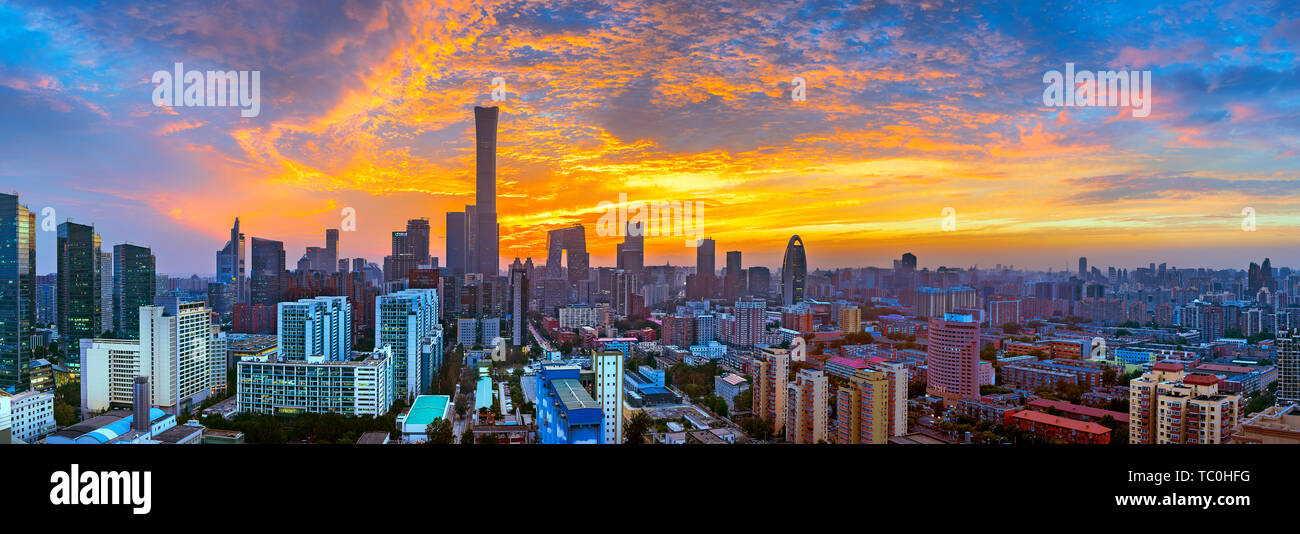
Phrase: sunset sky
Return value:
(911, 107)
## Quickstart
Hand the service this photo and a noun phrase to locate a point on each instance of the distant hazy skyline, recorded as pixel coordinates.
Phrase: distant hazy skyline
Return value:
(910, 109)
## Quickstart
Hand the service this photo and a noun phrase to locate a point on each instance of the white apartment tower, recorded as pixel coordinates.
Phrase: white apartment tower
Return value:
(608, 368)
(319, 326)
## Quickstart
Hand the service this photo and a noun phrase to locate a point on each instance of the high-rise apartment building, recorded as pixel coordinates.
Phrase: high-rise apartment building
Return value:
(862, 408)
(806, 408)
(1288, 367)
(407, 322)
(1169, 405)
(17, 292)
(134, 284)
(608, 369)
(321, 326)
(850, 319)
(751, 322)
(953, 357)
(79, 294)
(770, 381)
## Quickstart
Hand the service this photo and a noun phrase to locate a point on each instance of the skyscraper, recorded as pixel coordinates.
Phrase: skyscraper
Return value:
(1083, 268)
(106, 285)
(266, 270)
(485, 245)
(518, 303)
(410, 249)
(568, 244)
(134, 285)
(17, 292)
(79, 295)
(705, 274)
(794, 272)
(631, 252)
(760, 282)
(330, 262)
(230, 266)
(953, 357)
(731, 285)
(456, 242)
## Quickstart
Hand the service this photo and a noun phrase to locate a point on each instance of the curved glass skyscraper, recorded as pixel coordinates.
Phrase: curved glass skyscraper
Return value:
(794, 271)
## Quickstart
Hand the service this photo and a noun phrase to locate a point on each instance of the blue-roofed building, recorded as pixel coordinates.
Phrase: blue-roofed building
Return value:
(109, 427)
(483, 393)
(424, 410)
(566, 413)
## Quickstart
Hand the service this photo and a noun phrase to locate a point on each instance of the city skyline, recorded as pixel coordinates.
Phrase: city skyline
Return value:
(638, 99)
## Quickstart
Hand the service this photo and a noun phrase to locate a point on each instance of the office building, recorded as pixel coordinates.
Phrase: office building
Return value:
(953, 357)
(79, 294)
(230, 267)
(106, 287)
(566, 413)
(172, 351)
(355, 387)
(794, 272)
(566, 254)
(760, 282)
(31, 415)
(519, 282)
(134, 286)
(266, 271)
(486, 245)
(17, 292)
(455, 248)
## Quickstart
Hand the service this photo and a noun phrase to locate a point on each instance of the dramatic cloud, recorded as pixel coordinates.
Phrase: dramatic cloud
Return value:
(911, 108)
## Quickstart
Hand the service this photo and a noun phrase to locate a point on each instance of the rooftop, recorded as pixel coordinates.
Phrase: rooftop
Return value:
(572, 395)
(1040, 417)
(426, 409)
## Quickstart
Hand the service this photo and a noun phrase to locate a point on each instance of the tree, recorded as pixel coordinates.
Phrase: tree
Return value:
(744, 401)
(439, 432)
(637, 429)
(467, 438)
(1011, 327)
(757, 428)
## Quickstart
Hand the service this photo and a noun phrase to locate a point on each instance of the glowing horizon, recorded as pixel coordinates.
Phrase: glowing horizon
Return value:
(910, 109)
